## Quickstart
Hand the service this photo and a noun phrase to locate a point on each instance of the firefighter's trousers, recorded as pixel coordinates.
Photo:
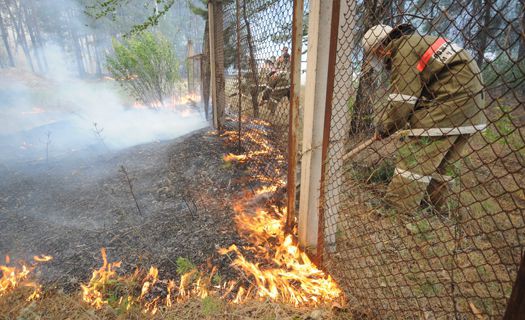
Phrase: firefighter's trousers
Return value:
(426, 173)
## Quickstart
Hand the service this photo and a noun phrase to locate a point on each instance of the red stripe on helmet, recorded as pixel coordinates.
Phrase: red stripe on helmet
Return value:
(429, 53)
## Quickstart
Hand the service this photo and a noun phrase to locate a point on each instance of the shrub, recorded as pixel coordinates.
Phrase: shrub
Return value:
(146, 66)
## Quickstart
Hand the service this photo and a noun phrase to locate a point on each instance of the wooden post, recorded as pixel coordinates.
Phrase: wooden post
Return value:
(213, 76)
(313, 119)
(516, 305)
(239, 73)
(337, 125)
(330, 83)
(293, 116)
(220, 80)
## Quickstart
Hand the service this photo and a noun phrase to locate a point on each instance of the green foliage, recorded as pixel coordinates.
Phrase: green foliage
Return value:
(184, 266)
(383, 173)
(216, 280)
(421, 229)
(146, 66)
(211, 306)
(199, 11)
(504, 71)
(504, 130)
(109, 8)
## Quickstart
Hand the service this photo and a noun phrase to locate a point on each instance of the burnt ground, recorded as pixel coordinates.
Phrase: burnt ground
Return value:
(71, 208)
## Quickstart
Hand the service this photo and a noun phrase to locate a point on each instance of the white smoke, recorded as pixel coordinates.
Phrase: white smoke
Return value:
(67, 108)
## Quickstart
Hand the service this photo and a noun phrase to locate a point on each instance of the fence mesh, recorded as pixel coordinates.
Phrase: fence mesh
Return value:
(257, 39)
(426, 220)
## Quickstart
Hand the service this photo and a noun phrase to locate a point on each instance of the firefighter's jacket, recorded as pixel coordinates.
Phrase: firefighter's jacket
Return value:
(435, 84)
(436, 94)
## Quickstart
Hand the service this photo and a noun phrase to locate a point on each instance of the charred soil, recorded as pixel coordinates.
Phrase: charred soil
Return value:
(71, 208)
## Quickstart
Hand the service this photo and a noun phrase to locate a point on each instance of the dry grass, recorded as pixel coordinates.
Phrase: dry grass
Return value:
(58, 305)
(425, 264)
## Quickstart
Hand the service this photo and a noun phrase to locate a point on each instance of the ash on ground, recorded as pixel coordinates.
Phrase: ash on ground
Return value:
(73, 207)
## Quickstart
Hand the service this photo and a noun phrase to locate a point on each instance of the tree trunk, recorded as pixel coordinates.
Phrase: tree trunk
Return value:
(20, 35)
(6, 42)
(253, 64)
(29, 21)
(76, 48)
(38, 36)
(483, 34)
(89, 60)
(362, 109)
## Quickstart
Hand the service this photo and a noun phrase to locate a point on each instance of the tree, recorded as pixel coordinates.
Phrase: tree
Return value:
(146, 66)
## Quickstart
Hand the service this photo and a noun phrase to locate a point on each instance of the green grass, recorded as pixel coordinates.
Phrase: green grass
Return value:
(184, 266)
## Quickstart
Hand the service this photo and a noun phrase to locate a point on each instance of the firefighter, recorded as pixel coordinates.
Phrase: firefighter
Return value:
(436, 97)
(278, 85)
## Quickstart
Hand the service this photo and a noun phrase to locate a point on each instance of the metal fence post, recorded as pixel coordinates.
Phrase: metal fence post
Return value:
(293, 118)
(314, 109)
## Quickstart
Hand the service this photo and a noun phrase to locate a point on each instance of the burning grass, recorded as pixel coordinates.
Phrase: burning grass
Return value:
(14, 276)
(276, 280)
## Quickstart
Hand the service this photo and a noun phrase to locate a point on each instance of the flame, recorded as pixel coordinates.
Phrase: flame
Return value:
(14, 277)
(275, 268)
(174, 103)
(106, 285)
(232, 157)
(42, 258)
(281, 272)
(92, 292)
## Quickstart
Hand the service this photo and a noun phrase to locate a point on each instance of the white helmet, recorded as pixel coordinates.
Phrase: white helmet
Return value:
(374, 36)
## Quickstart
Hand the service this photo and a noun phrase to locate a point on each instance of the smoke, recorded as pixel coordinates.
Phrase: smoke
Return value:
(59, 114)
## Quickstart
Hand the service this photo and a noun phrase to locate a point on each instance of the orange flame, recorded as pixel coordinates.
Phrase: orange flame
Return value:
(42, 258)
(92, 292)
(14, 277)
(282, 272)
(232, 157)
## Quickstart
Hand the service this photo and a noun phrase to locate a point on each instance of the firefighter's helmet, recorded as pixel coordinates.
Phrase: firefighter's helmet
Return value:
(375, 36)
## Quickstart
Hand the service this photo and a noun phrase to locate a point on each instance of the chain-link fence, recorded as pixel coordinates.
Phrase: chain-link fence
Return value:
(256, 48)
(423, 203)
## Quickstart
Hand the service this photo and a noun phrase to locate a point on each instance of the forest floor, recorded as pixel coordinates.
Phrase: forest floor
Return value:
(72, 208)
(69, 209)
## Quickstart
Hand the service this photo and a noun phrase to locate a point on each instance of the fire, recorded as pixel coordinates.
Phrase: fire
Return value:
(271, 265)
(281, 272)
(92, 292)
(174, 103)
(14, 277)
(292, 277)
(42, 258)
(106, 285)
(232, 157)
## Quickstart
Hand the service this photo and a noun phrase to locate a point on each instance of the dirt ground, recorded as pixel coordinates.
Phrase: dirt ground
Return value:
(73, 207)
